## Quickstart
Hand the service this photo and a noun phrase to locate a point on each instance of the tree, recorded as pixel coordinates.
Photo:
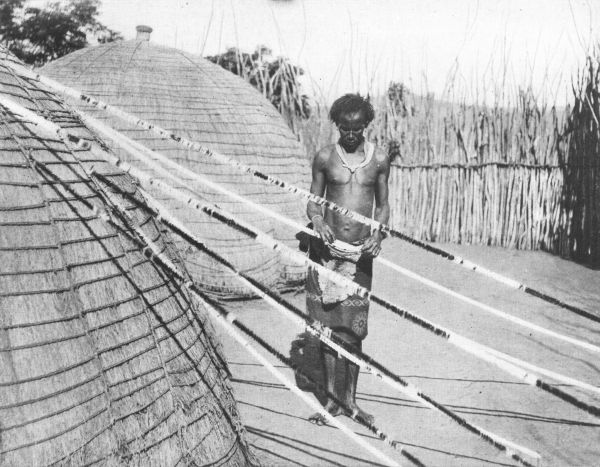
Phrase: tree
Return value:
(276, 78)
(38, 35)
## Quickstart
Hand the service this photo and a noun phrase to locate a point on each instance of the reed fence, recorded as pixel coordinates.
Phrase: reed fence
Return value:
(472, 173)
(518, 174)
(511, 205)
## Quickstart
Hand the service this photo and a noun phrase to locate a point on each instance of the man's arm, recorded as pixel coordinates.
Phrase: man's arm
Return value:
(317, 187)
(372, 245)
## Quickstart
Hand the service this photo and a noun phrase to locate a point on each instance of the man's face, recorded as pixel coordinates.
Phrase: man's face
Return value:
(351, 126)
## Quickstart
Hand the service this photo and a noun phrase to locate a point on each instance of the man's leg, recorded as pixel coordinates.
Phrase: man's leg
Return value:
(330, 362)
(352, 371)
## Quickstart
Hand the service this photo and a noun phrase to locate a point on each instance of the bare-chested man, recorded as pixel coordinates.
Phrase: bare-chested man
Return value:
(353, 174)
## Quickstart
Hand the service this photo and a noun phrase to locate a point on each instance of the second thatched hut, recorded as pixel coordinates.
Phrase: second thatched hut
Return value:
(205, 103)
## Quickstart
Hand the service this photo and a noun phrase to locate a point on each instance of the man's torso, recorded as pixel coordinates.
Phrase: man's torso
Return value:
(352, 190)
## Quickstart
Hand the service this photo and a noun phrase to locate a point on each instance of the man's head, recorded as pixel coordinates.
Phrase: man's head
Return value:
(352, 114)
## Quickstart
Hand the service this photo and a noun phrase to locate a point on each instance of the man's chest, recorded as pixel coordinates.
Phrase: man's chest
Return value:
(338, 174)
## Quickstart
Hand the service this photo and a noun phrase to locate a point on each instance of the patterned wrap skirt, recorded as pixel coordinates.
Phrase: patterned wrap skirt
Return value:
(347, 315)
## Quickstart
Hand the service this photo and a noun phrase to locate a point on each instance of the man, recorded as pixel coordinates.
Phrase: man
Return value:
(353, 174)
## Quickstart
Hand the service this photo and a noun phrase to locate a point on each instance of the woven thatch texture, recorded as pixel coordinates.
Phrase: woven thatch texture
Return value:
(102, 356)
(202, 102)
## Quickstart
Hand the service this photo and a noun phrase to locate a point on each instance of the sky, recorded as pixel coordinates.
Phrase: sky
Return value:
(454, 48)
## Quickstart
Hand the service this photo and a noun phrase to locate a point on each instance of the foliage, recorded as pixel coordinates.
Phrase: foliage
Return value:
(581, 159)
(397, 97)
(276, 78)
(38, 35)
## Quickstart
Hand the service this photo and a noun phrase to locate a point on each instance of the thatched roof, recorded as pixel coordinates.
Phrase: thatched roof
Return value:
(102, 356)
(202, 102)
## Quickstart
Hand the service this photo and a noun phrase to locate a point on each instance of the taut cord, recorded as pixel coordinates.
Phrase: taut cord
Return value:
(147, 156)
(229, 320)
(478, 350)
(166, 134)
(326, 335)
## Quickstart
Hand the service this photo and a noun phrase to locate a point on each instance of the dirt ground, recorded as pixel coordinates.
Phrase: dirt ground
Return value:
(276, 419)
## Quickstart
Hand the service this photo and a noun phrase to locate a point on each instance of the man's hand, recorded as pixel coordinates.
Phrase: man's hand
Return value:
(324, 231)
(372, 246)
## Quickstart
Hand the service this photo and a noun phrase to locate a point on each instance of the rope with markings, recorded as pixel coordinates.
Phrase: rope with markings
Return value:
(326, 336)
(152, 252)
(229, 320)
(476, 349)
(166, 134)
(149, 157)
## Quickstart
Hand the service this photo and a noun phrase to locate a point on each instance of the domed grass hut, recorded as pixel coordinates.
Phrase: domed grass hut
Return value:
(202, 102)
(103, 357)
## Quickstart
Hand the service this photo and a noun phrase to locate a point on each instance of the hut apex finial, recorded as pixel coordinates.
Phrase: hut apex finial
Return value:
(143, 32)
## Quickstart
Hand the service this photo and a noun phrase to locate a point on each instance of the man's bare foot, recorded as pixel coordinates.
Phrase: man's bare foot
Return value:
(356, 412)
(317, 419)
(334, 409)
(331, 407)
